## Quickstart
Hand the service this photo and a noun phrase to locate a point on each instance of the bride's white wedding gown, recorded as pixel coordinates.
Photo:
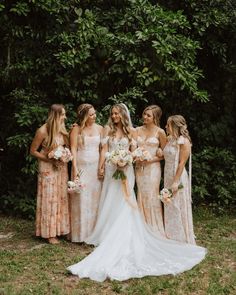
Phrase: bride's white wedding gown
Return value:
(127, 248)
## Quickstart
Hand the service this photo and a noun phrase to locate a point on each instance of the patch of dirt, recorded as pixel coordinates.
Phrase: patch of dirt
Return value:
(6, 236)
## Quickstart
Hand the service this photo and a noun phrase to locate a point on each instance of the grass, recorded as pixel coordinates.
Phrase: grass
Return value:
(28, 265)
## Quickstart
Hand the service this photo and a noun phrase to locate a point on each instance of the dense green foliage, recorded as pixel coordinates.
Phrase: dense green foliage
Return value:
(178, 54)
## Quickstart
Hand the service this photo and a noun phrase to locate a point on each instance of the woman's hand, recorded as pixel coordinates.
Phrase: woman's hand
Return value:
(100, 173)
(174, 188)
(141, 163)
(160, 153)
(74, 173)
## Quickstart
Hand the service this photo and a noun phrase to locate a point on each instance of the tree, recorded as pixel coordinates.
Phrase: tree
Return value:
(135, 51)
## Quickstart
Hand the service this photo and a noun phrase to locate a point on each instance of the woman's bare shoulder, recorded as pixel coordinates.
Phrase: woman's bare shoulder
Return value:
(161, 132)
(42, 130)
(133, 132)
(99, 127)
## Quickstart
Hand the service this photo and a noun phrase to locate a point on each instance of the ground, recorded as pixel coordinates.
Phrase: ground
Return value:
(29, 265)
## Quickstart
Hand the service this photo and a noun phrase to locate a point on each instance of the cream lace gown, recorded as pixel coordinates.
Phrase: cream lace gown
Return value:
(127, 248)
(148, 180)
(84, 206)
(178, 214)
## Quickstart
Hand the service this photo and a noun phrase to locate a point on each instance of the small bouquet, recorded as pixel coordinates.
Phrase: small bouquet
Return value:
(141, 154)
(120, 158)
(76, 186)
(166, 194)
(61, 153)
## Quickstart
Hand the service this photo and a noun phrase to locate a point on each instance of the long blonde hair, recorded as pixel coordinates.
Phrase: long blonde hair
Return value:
(156, 112)
(55, 127)
(82, 117)
(125, 120)
(83, 114)
(179, 126)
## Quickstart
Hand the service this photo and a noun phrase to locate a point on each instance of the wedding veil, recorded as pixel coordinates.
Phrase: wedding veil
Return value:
(128, 113)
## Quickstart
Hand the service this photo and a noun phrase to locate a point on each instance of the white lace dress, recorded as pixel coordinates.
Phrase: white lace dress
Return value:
(84, 206)
(127, 248)
(148, 180)
(178, 214)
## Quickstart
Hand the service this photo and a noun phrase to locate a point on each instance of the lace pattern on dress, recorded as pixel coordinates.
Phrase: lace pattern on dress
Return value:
(104, 140)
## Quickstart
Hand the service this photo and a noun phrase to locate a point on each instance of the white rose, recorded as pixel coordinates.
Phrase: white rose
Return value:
(114, 160)
(57, 154)
(107, 155)
(71, 184)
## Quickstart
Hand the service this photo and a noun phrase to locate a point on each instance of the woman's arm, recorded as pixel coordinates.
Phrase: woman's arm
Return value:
(183, 157)
(157, 157)
(101, 163)
(163, 141)
(162, 138)
(74, 146)
(39, 137)
(103, 150)
(134, 134)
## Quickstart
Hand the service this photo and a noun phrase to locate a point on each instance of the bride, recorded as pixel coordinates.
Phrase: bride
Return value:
(126, 246)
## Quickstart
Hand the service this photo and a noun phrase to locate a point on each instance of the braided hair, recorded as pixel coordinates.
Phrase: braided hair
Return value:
(82, 117)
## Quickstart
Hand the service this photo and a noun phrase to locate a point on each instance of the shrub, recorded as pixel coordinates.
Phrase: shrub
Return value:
(214, 178)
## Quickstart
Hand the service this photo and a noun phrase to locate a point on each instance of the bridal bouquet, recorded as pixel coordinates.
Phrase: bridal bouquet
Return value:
(61, 153)
(120, 158)
(166, 194)
(141, 154)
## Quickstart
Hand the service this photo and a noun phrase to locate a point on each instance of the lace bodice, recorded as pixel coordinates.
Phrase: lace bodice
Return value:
(150, 144)
(171, 152)
(171, 155)
(117, 143)
(88, 152)
(121, 143)
(90, 143)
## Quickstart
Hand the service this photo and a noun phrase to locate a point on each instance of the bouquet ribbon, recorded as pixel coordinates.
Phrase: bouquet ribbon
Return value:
(126, 191)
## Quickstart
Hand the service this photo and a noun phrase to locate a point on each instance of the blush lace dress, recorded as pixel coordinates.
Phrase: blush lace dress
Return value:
(84, 206)
(148, 180)
(178, 214)
(126, 247)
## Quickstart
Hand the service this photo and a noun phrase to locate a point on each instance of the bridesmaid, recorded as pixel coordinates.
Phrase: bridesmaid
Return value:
(52, 212)
(85, 144)
(150, 137)
(178, 213)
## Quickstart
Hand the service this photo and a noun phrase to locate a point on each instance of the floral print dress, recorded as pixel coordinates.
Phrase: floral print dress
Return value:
(52, 212)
